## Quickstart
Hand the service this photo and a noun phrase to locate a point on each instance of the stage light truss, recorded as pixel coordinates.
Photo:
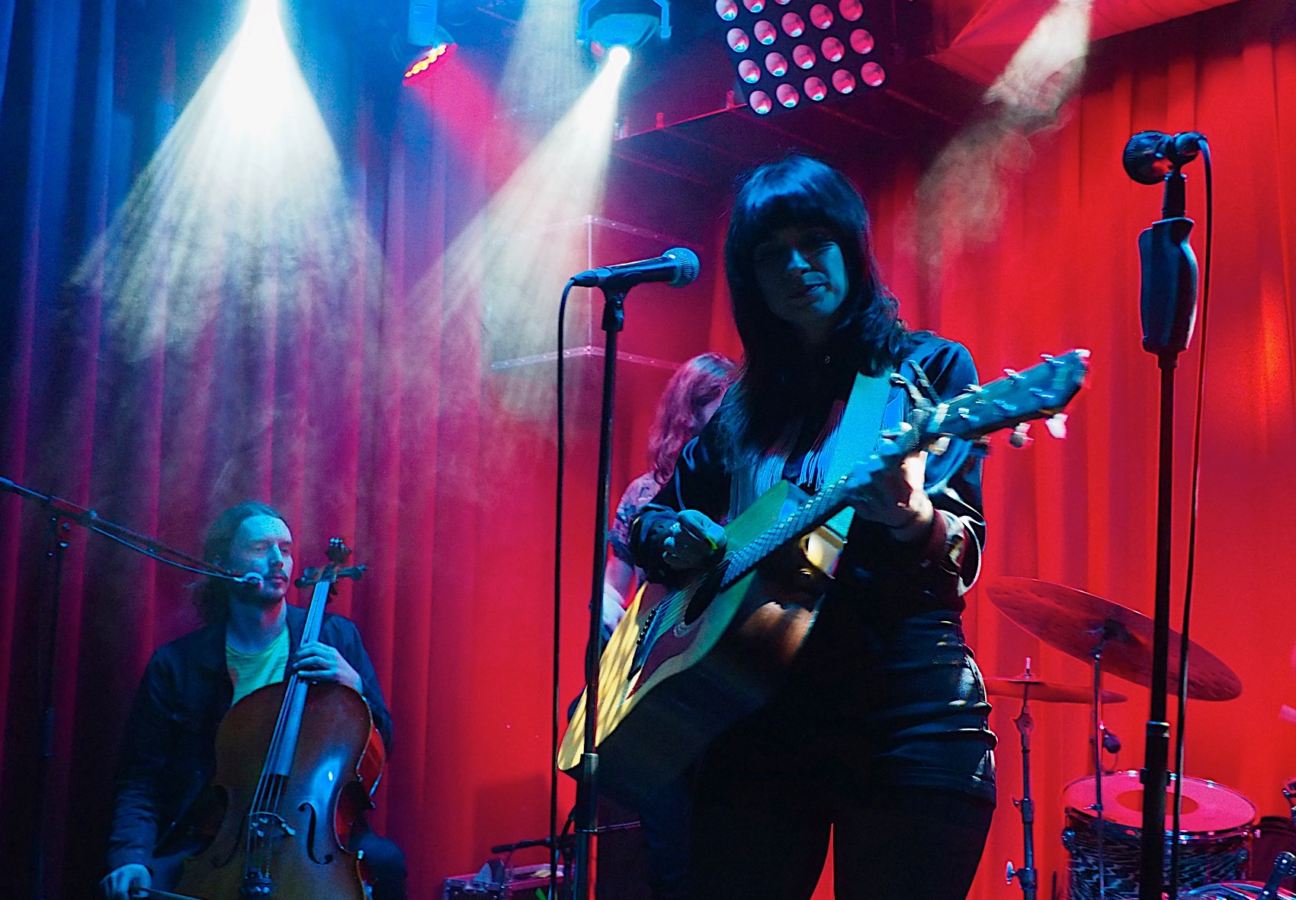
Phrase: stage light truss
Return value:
(787, 52)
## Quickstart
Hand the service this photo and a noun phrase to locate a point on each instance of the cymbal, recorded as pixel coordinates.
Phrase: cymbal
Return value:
(1047, 691)
(1074, 621)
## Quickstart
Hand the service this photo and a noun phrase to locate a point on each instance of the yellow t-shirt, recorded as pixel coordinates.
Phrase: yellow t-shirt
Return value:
(250, 671)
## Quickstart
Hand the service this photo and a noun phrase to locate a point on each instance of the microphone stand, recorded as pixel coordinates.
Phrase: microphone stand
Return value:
(62, 514)
(1168, 304)
(587, 786)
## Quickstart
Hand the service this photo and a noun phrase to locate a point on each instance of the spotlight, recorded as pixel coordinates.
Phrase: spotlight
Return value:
(619, 56)
(784, 50)
(626, 23)
(442, 45)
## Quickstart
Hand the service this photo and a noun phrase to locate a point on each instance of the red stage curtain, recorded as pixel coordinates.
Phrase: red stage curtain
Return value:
(1057, 267)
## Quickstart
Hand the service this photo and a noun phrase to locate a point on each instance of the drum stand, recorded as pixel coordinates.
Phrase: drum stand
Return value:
(1026, 876)
(1110, 631)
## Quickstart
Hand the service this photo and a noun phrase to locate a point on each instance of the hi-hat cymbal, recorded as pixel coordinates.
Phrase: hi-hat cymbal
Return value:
(1046, 691)
(1074, 622)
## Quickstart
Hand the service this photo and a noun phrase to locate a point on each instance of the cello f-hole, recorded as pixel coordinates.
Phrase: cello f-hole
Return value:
(311, 831)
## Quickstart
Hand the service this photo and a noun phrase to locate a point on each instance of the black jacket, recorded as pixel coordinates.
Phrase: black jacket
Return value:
(908, 578)
(168, 753)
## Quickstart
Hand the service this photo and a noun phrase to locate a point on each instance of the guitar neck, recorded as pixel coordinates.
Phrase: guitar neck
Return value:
(1039, 392)
(826, 503)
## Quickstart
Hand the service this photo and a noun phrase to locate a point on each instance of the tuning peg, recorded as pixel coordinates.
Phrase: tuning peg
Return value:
(1013, 375)
(917, 397)
(1056, 425)
(1019, 437)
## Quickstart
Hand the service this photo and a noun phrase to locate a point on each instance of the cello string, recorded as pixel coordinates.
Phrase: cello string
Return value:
(267, 786)
(273, 782)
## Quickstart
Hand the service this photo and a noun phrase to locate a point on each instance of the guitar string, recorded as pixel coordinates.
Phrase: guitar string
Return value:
(736, 565)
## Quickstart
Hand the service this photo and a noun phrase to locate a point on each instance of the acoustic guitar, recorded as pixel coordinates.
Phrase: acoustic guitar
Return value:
(686, 663)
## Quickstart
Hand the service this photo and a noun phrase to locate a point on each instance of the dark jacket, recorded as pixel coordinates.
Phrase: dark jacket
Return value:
(168, 753)
(908, 578)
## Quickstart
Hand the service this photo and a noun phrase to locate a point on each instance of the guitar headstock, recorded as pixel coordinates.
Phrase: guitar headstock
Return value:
(1040, 392)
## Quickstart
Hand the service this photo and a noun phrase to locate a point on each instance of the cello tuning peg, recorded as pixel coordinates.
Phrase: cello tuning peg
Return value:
(1020, 436)
(1056, 425)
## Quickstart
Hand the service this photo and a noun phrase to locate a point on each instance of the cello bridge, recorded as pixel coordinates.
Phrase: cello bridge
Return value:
(262, 824)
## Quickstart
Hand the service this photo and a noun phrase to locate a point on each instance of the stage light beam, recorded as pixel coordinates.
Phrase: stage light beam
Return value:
(242, 205)
(511, 261)
(961, 197)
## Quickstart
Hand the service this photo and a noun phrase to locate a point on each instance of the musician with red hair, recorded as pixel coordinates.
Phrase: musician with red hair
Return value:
(687, 403)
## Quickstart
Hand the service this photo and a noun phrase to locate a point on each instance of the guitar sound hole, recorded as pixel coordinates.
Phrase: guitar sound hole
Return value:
(701, 599)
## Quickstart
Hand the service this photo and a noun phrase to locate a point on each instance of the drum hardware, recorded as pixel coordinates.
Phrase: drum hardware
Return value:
(1027, 876)
(1047, 691)
(1284, 865)
(1069, 619)
(1108, 631)
(1111, 637)
(1235, 890)
(1027, 687)
(1214, 840)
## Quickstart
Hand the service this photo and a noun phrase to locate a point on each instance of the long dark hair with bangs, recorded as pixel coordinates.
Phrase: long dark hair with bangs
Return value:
(778, 374)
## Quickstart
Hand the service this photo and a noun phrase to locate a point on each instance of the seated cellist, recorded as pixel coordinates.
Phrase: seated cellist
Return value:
(168, 753)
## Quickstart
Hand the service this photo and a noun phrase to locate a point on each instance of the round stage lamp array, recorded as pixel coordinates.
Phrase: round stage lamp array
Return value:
(788, 52)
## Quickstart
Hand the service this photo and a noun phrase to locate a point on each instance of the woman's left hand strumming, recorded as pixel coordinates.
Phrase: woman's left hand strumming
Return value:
(896, 497)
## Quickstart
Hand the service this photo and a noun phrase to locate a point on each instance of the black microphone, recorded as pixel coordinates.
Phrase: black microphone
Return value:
(677, 267)
(1150, 155)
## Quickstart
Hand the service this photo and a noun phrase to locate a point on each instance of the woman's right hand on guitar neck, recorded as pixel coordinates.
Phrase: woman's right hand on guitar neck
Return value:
(694, 542)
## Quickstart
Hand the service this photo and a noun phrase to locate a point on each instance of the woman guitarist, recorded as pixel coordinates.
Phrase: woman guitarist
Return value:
(250, 640)
(879, 732)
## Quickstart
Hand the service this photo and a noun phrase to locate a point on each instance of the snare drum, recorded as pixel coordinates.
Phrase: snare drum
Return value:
(1215, 825)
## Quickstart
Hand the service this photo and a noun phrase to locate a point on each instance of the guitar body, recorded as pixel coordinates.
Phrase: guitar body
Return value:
(686, 664)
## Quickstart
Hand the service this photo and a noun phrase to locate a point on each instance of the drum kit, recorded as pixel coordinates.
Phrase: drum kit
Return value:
(1104, 811)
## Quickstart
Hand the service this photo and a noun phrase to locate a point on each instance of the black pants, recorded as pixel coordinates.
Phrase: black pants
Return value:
(878, 737)
(912, 843)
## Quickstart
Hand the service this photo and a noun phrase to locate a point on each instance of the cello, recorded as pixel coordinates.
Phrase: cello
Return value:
(296, 764)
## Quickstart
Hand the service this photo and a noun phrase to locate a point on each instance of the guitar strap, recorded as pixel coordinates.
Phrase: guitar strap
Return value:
(858, 435)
